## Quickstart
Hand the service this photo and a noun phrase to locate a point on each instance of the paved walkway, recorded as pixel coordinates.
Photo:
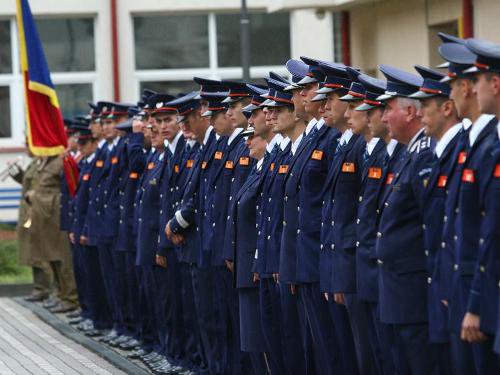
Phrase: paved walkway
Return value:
(29, 346)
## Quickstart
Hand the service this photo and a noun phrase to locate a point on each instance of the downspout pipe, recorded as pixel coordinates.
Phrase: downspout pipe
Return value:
(467, 19)
(114, 51)
(346, 37)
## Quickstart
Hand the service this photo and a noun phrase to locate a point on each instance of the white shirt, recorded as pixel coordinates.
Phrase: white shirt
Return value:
(90, 158)
(101, 143)
(277, 139)
(478, 127)
(112, 145)
(466, 123)
(391, 146)
(162, 155)
(414, 139)
(295, 145)
(446, 139)
(191, 142)
(233, 135)
(259, 164)
(172, 146)
(320, 123)
(311, 125)
(207, 134)
(345, 137)
(370, 146)
(284, 143)
(498, 129)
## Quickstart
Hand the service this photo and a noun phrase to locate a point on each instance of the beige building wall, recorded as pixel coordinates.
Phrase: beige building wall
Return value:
(397, 32)
(487, 19)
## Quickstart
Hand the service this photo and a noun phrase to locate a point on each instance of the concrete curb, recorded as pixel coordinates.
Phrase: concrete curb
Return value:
(65, 329)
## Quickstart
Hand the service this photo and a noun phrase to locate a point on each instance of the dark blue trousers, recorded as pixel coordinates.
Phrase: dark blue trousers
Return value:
(147, 295)
(131, 318)
(100, 310)
(384, 344)
(326, 348)
(120, 290)
(412, 344)
(238, 361)
(169, 313)
(195, 355)
(272, 327)
(295, 336)
(80, 273)
(210, 321)
(109, 276)
(343, 334)
(363, 334)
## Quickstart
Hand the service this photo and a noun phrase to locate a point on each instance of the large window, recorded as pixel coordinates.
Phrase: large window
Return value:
(270, 39)
(68, 43)
(166, 42)
(5, 51)
(171, 49)
(69, 47)
(337, 37)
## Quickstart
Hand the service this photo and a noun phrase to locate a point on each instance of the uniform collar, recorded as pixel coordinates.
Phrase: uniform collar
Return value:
(233, 135)
(345, 137)
(466, 123)
(320, 123)
(370, 146)
(277, 139)
(172, 146)
(162, 155)
(446, 139)
(478, 127)
(284, 143)
(90, 157)
(191, 142)
(101, 143)
(259, 164)
(391, 146)
(311, 125)
(207, 134)
(295, 145)
(498, 128)
(414, 139)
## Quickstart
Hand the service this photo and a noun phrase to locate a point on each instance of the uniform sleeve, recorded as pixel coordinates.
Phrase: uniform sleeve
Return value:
(135, 152)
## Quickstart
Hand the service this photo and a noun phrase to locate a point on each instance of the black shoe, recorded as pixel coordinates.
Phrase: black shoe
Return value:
(75, 321)
(110, 336)
(93, 332)
(130, 344)
(150, 355)
(136, 354)
(85, 325)
(50, 303)
(156, 358)
(36, 297)
(74, 314)
(62, 308)
(161, 363)
(119, 340)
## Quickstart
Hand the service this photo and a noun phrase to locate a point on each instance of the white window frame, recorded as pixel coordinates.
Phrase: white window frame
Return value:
(15, 83)
(213, 71)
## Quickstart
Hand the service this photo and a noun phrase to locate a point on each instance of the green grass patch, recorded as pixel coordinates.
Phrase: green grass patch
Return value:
(10, 271)
(7, 227)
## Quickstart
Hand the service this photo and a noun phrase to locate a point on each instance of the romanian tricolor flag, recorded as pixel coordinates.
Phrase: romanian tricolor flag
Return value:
(45, 124)
(46, 135)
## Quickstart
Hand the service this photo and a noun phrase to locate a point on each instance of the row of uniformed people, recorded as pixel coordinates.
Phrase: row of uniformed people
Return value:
(361, 241)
